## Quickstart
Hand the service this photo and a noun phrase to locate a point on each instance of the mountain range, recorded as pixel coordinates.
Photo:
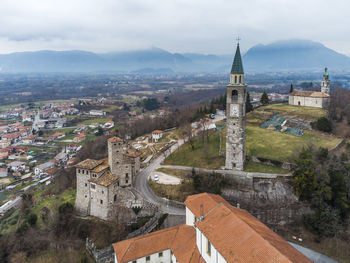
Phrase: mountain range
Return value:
(288, 55)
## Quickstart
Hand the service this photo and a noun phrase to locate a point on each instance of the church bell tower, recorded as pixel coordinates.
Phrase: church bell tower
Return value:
(325, 83)
(236, 92)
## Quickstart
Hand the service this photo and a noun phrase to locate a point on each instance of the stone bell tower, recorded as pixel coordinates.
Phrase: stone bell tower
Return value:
(325, 83)
(236, 116)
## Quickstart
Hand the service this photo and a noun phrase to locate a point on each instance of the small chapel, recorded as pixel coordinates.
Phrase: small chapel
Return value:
(317, 99)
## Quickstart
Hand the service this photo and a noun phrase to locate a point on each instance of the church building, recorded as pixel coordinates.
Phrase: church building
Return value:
(317, 99)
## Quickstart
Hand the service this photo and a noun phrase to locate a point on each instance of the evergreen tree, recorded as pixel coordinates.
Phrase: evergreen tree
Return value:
(264, 98)
(212, 108)
(248, 104)
(291, 88)
(205, 111)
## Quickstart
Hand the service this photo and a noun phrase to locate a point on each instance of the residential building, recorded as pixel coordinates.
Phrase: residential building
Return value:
(157, 135)
(3, 172)
(17, 166)
(41, 168)
(214, 232)
(97, 112)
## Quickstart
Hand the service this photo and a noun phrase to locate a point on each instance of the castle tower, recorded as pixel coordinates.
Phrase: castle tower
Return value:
(325, 83)
(235, 114)
(115, 154)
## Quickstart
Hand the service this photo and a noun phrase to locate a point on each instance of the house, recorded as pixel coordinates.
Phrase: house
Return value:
(61, 157)
(57, 135)
(97, 112)
(108, 125)
(214, 231)
(3, 172)
(72, 148)
(17, 166)
(41, 168)
(157, 135)
(30, 139)
(80, 137)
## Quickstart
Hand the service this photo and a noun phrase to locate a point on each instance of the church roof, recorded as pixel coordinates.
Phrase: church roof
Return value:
(237, 66)
(313, 94)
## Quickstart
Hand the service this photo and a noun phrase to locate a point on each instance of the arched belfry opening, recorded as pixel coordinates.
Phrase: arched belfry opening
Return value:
(234, 96)
(240, 79)
(235, 79)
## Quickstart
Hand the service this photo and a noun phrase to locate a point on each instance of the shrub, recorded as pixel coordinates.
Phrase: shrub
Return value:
(324, 125)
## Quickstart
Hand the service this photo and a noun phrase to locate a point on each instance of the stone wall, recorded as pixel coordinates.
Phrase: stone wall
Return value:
(270, 200)
(105, 255)
(82, 201)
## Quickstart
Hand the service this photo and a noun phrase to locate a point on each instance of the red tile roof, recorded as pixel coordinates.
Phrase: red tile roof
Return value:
(315, 94)
(239, 236)
(180, 239)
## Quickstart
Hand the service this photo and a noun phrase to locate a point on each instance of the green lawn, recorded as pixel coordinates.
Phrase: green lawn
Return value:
(295, 110)
(263, 168)
(204, 155)
(95, 120)
(275, 145)
(259, 142)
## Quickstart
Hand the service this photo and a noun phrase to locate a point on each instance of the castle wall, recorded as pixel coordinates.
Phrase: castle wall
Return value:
(99, 201)
(115, 155)
(82, 201)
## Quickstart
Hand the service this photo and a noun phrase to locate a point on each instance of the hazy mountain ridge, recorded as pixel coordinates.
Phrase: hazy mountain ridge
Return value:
(294, 55)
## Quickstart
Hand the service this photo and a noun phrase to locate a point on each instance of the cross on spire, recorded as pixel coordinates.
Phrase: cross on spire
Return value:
(238, 39)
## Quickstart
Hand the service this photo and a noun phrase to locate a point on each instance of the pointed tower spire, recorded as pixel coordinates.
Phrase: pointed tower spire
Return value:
(237, 66)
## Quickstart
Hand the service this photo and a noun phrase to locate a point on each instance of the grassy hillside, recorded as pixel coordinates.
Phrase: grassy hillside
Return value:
(260, 142)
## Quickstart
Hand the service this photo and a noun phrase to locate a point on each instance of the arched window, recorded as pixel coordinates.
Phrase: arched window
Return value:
(240, 79)
(235, 79)
(234, 95)
(115, 198)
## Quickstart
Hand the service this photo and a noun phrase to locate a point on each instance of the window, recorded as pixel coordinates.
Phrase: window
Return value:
(160, 254)
(85, 196)
(148, 258)
(235, 79)
(93, 186)
(240, 79)
(126, 175)
(78, 170)
(115, 198)
(126, 181)
(83, 171)
(134, 261)
(103, 192)
(234, 95)
(85, 184)
(208, 247)
(101, 202)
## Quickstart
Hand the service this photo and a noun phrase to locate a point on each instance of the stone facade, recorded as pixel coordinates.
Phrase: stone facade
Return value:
(316, 99)
(236, 116)
(100, 183)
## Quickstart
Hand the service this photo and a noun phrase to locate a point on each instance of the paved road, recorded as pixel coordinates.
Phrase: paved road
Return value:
(142, 186)
(313, 255)
(141, 183)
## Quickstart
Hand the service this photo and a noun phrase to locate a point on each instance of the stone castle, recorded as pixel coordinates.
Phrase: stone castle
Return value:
(101, 183)
(236, 115)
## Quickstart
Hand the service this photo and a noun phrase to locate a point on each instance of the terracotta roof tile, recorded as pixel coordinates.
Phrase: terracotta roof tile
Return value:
(315, 94)
(180, 239)
(106, 179)
(103, 166)
(237, 235)
(115, 139)
(89, 164)
(157, 131)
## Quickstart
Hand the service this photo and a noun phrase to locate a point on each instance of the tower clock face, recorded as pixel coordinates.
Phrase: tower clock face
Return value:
(234, 110)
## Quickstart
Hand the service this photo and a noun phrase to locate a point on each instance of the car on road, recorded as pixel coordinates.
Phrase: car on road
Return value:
(156, 179)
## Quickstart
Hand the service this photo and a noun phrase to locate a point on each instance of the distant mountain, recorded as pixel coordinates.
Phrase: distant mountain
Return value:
(296, 55)
(293, 55)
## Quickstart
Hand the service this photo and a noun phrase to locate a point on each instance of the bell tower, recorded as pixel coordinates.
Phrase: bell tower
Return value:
(325, 83)
(236, 92)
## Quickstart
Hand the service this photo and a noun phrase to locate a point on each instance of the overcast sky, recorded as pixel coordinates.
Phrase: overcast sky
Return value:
(205, 26)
